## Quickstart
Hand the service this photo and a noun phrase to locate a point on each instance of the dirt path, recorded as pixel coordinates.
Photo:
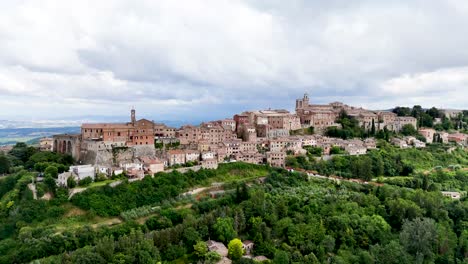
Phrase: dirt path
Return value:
(32, 187)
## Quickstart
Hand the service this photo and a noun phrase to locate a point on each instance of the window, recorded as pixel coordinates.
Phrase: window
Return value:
(118, 134)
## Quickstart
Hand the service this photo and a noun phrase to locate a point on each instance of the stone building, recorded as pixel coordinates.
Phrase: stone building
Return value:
(163, 131)
(227, 123)
(322, 116)
(276, 158)
(427, 133)
(211, 163)
(211, 132)
(67, 144)
(189, 134)
(459, 138)
(135, 132)
(176, 156)
(46, 144)
(249, 157)
(192, 155)
(269, 132)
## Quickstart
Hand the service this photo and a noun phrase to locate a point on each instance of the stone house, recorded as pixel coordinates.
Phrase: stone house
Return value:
(276, 159)
(209, 163)
(176, 156)
(248, 245)
(192, 155)
(356, 150)
(152, 165)
(399, 143)
(427, 133)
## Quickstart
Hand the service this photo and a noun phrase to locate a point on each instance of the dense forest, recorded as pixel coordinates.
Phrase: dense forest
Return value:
(291, 217)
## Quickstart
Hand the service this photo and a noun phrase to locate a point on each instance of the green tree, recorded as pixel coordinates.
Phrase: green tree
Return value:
(402, 111)
(281, 257)
(5, 164)
(373, 127)
(86, 255)
(235, 250)
(201, 249)
(50, 183)
(191, 236)
(212, 257)
(71, 183)
(224, 229)
(85, 182)
(419, 238)
(105, 247)
(51, 171)
(408, 130)
(336, 150)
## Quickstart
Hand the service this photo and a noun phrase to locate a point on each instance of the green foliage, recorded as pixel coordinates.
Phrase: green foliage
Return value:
(71, 183)
(157, 223)
(235, 250)
(5, 164)
(349, 128)
(139, 212)
(290, 218)
(224, 229)
(402, 111)
(22, 152)
(409, 130)
(85, 182)
(50, 183)
(281, 257)
(314, 151)
(111, 201)
(336, 150)
(419, 238)
(201, 249)
(51, 171)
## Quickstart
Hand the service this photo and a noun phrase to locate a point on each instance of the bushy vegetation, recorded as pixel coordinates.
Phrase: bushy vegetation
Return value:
(385, 161)
(111, 201)
(139, 212)
(289, 217)
(349, 128)
(291, 220)
(426, 117)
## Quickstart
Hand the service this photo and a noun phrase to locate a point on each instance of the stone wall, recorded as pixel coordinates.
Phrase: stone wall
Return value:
(186, 169)
(98, 153)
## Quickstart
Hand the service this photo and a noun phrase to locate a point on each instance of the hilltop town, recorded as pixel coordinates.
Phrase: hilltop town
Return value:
(142, 147)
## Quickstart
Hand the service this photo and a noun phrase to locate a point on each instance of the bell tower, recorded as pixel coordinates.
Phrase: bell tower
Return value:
(304, 102)
(132, 116)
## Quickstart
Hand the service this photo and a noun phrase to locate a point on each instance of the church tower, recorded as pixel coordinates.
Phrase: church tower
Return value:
(132, 116)
(304, 102)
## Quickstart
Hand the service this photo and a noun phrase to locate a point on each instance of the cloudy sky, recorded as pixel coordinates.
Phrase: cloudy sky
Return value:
(206, 59)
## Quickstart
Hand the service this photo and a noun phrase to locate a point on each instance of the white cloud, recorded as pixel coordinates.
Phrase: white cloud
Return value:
(188, 58)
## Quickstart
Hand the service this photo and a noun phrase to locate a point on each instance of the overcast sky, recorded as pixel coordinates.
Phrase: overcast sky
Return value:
(206, 59)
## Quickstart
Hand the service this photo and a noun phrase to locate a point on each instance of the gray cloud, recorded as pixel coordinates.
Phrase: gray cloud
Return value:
(209, 58)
